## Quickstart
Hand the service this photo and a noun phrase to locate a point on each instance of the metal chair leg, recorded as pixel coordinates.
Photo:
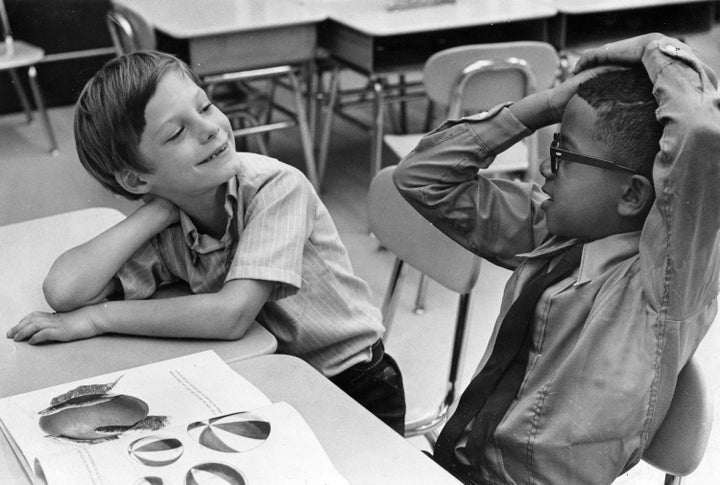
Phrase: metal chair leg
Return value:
(421, 295)
(32, 75)
(391, 296)
(672, 479)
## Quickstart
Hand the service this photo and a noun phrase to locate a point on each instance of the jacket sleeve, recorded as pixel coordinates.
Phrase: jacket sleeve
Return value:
(494, 218)
(679, 242)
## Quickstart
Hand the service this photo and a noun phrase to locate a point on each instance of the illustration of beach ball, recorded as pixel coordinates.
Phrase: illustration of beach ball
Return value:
(231, 433)
(150, 481)
(156, 450)
(214, 474)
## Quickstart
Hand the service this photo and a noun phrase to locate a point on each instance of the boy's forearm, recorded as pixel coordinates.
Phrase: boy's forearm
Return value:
(533, 112)
(84, 274)
(225, 315)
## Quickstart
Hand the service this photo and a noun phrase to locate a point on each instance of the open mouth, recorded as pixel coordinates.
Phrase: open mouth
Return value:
(216, 153)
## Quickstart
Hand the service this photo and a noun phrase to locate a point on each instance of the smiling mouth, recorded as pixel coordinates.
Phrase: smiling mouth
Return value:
(215, 153)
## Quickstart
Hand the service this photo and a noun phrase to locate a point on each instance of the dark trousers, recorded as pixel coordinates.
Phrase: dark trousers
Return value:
(378, 386)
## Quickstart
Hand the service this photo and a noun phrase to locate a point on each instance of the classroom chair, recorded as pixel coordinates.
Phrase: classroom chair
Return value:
(233, 92)
(14, 55)
(474, 78)
(413, 240)
(679, 444)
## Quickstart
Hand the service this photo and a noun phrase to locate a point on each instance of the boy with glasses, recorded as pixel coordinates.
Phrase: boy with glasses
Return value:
(615, 261)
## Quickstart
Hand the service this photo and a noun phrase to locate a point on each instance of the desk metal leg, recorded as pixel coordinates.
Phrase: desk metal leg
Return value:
(329, 112)
(32, 75)
(305, 135)
(21, 94)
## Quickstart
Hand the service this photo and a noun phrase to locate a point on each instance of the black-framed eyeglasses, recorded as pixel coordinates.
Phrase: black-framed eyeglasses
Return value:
(557, 154)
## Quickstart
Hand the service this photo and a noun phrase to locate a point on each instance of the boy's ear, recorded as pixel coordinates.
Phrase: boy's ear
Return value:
(132, 181)
(637, 196)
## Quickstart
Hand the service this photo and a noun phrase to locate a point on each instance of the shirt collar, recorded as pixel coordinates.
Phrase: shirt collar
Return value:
(203, 243)
(597, 257)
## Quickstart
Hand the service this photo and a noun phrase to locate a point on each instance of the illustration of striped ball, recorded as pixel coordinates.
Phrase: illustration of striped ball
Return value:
(156, 450)
(214, 474)
(231, 433)
(150, 481)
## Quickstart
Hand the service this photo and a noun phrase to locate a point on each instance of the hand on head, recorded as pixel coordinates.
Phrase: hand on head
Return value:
(632, 50)
(559, 96)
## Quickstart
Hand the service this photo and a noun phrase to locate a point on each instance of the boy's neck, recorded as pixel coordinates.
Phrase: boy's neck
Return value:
(208, 212)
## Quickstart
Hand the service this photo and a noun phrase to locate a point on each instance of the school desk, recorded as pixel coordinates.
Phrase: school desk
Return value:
(259, 38)
(582, 22)
(28, 250)
(380, 43)
(360, 446)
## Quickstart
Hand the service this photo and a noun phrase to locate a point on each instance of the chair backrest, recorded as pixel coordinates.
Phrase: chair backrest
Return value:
(408, 235)
(477, 77)
(679, 444)
(129, 31)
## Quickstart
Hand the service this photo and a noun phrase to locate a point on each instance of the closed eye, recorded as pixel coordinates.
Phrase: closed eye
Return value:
(206, 107)
(177, 134)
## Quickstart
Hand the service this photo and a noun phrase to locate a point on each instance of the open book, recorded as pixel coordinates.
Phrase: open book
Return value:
(190, 420)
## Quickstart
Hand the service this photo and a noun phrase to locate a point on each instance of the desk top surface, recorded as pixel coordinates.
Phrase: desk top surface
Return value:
(361, 447)
(583, 6)
(186, 19)
(372, 18)
(29, 249)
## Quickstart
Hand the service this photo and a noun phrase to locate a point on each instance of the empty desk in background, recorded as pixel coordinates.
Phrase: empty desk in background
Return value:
(593, 22)
(376, 42)
(28, 250)
(229, 36)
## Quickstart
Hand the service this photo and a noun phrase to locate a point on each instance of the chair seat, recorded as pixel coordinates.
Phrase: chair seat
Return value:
(23, 54)
(514, 159)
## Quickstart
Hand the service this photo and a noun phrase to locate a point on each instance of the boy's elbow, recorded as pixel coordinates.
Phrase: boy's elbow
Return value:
(57, 296)
(236, 326)
(237, 330)
(400, 178)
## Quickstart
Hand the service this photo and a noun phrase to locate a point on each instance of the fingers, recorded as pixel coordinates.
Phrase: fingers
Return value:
(628, 51)
(36, 327)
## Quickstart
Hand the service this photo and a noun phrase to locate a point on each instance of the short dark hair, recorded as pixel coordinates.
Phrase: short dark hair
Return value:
(110, 113)
(625, 107)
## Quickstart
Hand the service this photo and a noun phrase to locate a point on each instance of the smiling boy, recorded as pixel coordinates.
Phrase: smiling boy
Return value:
(244, 236)
(631, 187)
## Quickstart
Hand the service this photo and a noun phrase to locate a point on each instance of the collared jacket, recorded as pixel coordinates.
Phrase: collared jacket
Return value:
(610, 340)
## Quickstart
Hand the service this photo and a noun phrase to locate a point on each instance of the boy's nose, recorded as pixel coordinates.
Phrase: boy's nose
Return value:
(209, 132)
(545, 170)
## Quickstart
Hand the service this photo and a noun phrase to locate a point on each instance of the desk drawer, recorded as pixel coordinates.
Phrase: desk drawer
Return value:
(394, 53)
(252, 50)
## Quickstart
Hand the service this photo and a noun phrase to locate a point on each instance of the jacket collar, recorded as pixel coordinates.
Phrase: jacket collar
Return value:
(597, 256)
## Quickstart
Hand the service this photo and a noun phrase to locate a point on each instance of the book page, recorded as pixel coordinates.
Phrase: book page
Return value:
(268, 445)
(85, 414)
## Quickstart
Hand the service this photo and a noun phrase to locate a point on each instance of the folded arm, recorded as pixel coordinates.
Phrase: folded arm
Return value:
(85, 275)
(226, 315)
(494, 218)
(679, 243)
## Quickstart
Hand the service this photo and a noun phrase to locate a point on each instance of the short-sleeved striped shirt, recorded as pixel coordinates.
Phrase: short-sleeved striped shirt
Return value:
(278, 230)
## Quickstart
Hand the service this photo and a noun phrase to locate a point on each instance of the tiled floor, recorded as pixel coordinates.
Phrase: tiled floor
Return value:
(34, 184)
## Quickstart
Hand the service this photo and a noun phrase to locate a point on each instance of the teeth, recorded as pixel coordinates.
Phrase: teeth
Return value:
(215, 154)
